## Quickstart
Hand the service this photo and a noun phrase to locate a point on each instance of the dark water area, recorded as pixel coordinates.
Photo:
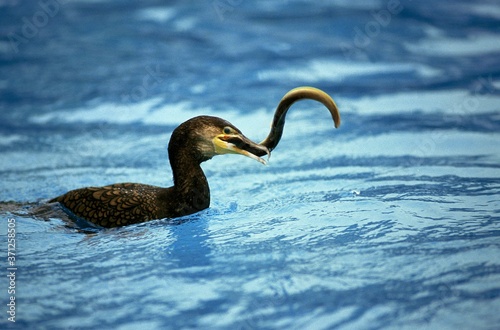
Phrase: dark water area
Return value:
(391, 221)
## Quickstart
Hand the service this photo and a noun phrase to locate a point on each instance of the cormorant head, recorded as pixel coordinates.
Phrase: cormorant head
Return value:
(206, 136)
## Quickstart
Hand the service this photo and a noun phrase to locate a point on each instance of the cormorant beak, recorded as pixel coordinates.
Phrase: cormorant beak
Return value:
(239, 144)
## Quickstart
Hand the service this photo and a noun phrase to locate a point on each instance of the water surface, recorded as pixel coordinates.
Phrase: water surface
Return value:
(389, 222)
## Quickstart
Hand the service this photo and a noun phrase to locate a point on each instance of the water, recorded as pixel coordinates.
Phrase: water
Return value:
(389, 222)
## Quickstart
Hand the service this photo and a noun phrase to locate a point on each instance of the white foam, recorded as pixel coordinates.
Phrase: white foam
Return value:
(6, 140)
(458, 102)
(337, 71)
(154, 112)
(184, 24)
(106, 112)
(431, 143)
(496, 84)
(351, 4)
(359, 4)
(489, 10)
(443, 46)
(157, 14)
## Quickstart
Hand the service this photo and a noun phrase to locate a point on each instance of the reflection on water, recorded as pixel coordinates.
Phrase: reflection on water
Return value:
(390, 222)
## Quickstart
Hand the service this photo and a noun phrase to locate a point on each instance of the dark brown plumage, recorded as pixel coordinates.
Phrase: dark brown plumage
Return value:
(115, 205)
(192, 143)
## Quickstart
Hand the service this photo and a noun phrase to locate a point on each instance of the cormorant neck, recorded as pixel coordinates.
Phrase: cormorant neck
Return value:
(188, 174)
(190, 183)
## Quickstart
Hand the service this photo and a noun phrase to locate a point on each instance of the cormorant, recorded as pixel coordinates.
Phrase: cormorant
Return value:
(193, 142)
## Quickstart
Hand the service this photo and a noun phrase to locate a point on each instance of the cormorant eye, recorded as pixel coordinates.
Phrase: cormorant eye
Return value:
(227, 130)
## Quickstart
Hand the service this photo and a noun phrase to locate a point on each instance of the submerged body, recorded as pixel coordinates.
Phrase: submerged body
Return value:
(192, 142)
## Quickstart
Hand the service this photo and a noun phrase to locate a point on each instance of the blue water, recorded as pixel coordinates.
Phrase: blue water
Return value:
(390, 222)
